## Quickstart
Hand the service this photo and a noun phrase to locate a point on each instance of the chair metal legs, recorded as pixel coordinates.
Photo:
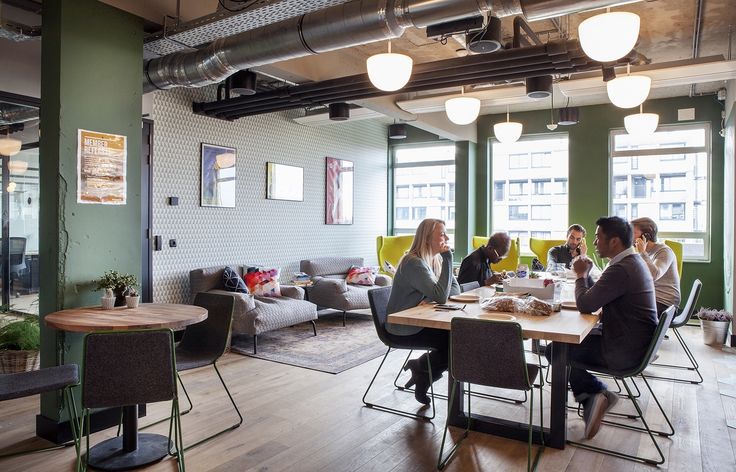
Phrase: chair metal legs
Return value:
(694, 366)
(394, 410)
(314, 327)
(646, 428)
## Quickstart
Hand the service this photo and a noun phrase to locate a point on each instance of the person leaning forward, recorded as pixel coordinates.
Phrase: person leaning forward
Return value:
(476, 266)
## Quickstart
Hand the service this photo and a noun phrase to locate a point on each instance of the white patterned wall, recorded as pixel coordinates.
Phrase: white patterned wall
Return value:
(257, 231)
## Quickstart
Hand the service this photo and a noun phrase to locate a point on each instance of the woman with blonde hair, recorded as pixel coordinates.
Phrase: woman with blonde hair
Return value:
(424, 275)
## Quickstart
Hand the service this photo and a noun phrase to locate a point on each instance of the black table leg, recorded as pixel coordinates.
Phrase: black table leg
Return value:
(558, 411)
(130, 451)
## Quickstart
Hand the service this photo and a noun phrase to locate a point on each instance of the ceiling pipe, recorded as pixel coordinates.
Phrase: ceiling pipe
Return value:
(341, 26)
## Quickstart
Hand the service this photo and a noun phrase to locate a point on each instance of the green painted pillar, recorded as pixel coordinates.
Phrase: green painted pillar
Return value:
(92, 58)
(465, 197)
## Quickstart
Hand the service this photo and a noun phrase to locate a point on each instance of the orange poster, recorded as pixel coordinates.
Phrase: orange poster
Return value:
(101, 164)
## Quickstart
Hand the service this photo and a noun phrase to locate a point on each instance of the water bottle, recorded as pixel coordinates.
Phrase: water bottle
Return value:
(522, 271)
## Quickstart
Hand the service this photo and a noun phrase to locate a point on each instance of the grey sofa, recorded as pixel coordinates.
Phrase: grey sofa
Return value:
(329, 289)
(255, 315)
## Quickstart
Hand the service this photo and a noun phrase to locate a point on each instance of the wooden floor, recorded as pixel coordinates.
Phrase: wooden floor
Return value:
(303, 420)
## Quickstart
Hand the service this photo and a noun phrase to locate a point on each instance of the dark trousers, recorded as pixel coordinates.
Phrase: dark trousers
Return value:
(590, 351)
(437, 340)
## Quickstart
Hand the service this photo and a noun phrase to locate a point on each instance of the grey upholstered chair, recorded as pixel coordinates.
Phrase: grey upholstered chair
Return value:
(49, 379)
(665, 319)
(125, 368)
(467, 286)
(470, 356)
(678, 322)
(378, 299)
(330, 290)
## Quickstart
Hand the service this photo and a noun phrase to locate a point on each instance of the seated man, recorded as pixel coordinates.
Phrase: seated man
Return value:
(564, 254)
(476, 266)
(660, 261)
(625, 291)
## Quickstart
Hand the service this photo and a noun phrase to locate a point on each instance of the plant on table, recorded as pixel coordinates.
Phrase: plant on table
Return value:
(20, 342)
(119, 283)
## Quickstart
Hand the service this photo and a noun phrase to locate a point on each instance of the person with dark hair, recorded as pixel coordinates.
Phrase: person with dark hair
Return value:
(660, 261)
(476, 266)
(625, 292)
(565, 253)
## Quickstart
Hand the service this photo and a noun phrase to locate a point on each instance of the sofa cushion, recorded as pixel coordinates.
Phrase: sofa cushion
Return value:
(322, 266)
(361, 276)
(263, 283)
(232, 281)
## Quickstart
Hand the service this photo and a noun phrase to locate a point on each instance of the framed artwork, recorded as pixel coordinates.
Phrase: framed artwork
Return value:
(339, 192)
(284, 182)
(101, 167)
(217, 179)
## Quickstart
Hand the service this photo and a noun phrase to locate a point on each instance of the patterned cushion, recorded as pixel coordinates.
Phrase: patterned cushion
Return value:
(361, 276)
(263, 282)
(233, 282)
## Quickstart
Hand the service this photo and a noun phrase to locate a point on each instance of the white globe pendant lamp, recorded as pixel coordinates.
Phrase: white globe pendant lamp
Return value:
(389, 71)
(462, 110)
(609, 36)
(641, 124)
(9, 146)
(507, 131)
(17, 166)
(629, 90)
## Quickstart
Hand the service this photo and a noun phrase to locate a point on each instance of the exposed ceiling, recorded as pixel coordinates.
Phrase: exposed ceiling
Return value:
(667, 34)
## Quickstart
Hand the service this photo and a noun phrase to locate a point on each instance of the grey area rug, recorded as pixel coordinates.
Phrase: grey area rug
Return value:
(333, 350)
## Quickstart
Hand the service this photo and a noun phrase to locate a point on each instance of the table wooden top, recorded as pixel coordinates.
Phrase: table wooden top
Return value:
(146, 316)
(568, 326)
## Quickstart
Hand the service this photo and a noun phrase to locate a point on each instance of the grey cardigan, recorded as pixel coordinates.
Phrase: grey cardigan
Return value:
(413, 283)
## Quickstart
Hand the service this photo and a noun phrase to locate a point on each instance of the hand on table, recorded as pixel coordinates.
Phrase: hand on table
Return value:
(495, 279)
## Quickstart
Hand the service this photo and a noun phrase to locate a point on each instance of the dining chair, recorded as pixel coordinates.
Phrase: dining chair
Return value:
(510, 262)
(378, 299)
(678, 322)
(541, 247)
(665, 320)
(467, 286)
(677, 248)
(124, 368)
(48, 379)
(500, 364)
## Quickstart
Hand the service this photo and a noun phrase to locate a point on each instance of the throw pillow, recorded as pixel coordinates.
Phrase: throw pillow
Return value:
(361, 276)
(233, 282)
(263, 282)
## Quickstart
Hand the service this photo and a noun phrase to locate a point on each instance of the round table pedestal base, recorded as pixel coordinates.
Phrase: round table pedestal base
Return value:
(109, 454)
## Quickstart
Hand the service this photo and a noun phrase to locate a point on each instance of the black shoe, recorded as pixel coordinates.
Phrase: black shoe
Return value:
(419, 379)
(414, 366)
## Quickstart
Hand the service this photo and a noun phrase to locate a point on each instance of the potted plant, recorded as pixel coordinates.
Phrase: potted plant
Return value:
(108, 299)
(132, 298)
(715, 325)
(20, 342)
(118, 283)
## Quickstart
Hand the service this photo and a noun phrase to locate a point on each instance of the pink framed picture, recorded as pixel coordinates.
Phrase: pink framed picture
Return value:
(339, 192)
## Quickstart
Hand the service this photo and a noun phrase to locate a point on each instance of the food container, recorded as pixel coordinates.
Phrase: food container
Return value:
(544, 289)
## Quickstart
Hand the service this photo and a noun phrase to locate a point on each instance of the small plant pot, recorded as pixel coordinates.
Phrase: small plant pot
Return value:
(714, 332)
(13, 362)
(132, 302)
(108, 303)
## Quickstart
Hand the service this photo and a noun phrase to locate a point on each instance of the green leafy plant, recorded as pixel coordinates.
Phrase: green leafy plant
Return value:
(22, 335)
(116, 281)
(709, 314)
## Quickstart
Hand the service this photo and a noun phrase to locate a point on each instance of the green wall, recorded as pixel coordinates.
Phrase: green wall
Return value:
(589, 186)
(91, 79)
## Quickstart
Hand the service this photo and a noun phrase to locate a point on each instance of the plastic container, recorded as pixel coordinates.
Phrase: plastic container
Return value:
(534, 287)
(522, 271)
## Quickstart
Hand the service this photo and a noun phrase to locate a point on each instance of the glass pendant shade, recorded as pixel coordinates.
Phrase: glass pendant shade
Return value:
(11, 187)
(462, 110)
(10, 146)
(628, 91)
(609, 36)
(17, 166)
(641, 124)
(389, 71)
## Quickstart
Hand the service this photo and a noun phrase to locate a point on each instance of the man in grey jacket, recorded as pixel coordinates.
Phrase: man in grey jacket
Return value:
(625, 292)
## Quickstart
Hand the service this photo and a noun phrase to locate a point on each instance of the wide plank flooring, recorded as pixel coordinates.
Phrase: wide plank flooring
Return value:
(303, 420)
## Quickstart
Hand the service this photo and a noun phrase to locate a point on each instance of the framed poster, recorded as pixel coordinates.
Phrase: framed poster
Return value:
(217, 178)
(284, 182)
(339, 192)
(101, 167)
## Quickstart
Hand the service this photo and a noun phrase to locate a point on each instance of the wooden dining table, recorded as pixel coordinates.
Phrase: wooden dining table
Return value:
(132, 449)
(566, 327)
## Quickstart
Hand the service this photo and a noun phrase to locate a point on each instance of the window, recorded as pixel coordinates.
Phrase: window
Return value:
(621, 186)
(530, 187)
(521, 235)
(634, 163)
(424, 185)
(671, 183)
(499, 190)
(620, 210)
(541, 235)
(518, 212)
(541, 212)
(672, 211)
(542, 187)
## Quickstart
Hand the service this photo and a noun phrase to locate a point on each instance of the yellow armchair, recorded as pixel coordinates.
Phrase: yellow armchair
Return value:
(676, 247)
(510, 262)
(391, 249)
(540, 247)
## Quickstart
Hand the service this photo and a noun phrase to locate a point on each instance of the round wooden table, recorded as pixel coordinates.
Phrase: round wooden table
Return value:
(131, 450)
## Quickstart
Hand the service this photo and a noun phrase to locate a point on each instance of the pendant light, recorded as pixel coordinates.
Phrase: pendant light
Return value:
(552, 125)
(641, 124)
(630, 90)
(9, 146)
(609, 36)
(462, 110)
(17, 166)
(389, 71)
(507, 131)
(11, 187)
